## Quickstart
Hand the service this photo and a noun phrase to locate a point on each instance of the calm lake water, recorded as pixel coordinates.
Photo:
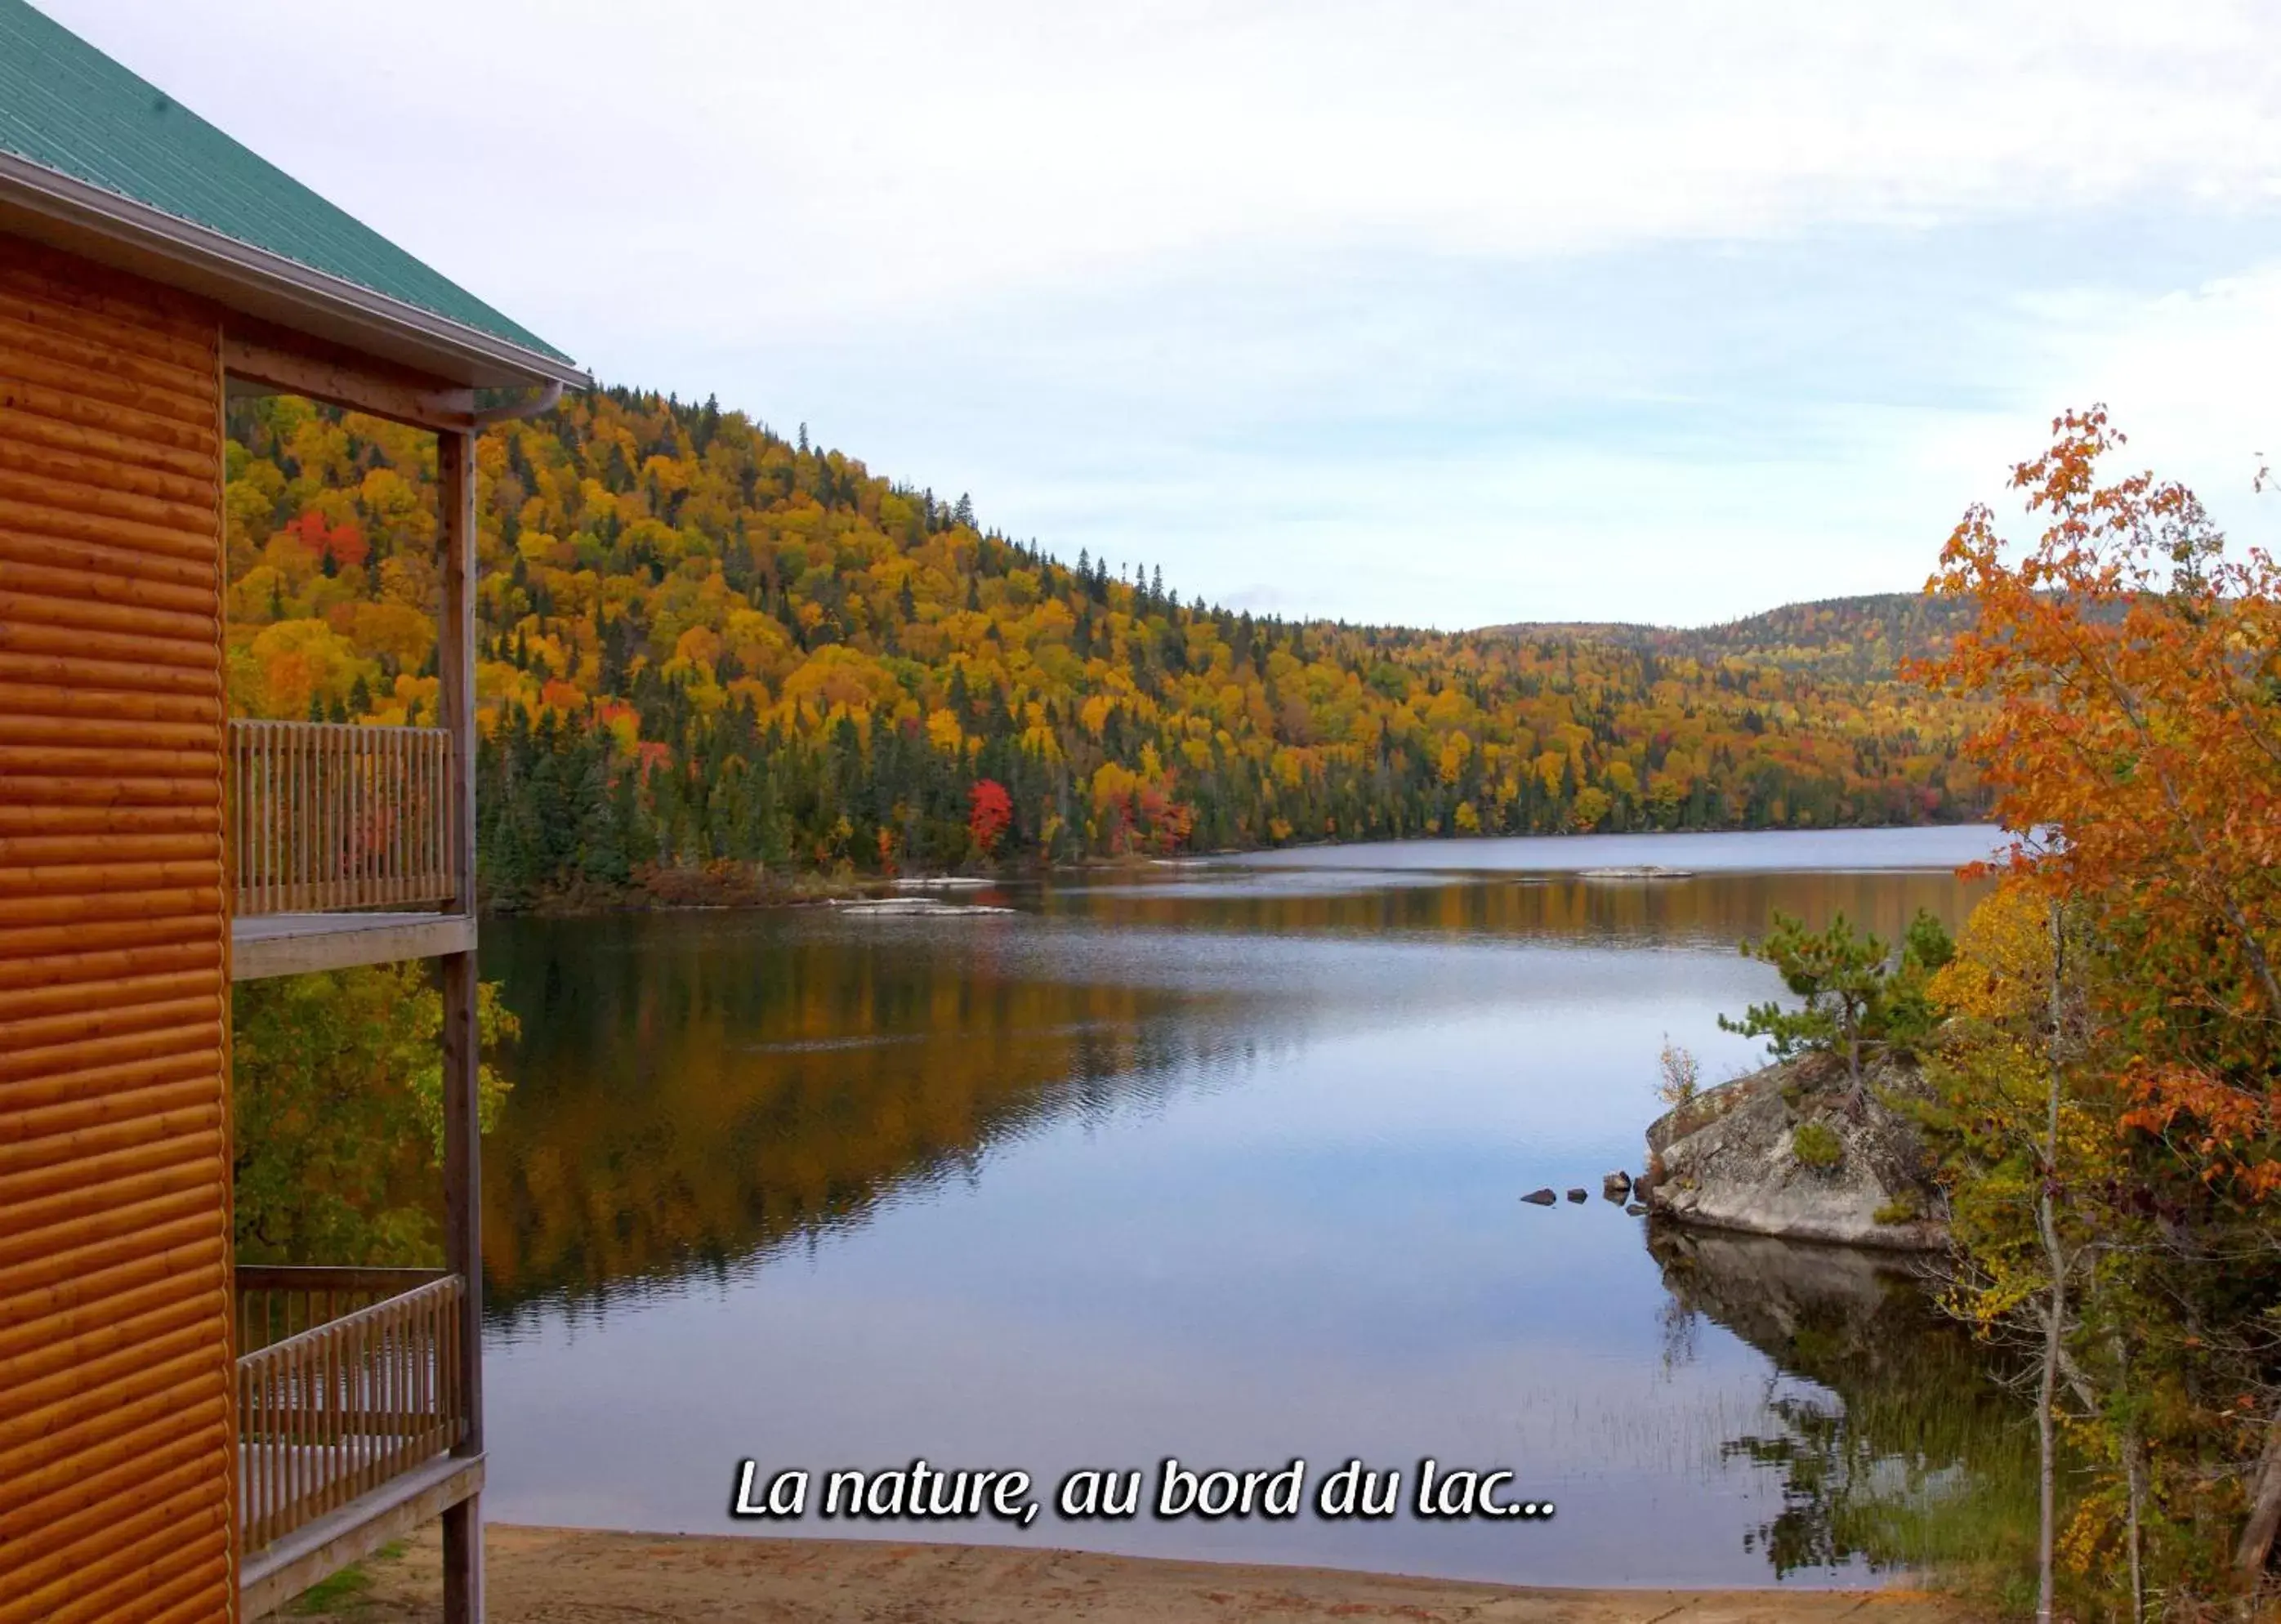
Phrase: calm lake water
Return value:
(1219, 1162)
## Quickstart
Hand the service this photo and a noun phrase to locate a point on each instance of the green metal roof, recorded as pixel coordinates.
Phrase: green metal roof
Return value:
(66, 107)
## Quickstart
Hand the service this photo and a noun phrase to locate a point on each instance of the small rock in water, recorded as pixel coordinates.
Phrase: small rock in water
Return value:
(1637, 1209)
(1579, 1193)
(1616, 1186)
(1543, 1198)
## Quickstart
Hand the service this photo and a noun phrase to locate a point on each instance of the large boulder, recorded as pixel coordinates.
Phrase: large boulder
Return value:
(1796, 1151)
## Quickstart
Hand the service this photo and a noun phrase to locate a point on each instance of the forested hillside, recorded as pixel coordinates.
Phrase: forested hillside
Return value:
(705, 648)
(1849, 639)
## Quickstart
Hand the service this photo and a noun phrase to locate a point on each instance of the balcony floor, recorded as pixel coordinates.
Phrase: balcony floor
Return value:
(274, 1575)
(289, 944)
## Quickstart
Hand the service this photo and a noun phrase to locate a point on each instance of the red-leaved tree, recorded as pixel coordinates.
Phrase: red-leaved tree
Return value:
(991, 812)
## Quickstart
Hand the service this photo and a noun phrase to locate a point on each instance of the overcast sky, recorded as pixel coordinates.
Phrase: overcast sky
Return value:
(1440, 313)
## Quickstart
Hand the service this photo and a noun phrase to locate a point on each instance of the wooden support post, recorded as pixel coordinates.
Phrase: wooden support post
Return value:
(463, 1524)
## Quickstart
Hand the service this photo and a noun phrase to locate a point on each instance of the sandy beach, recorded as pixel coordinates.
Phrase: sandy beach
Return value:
(577, 1576)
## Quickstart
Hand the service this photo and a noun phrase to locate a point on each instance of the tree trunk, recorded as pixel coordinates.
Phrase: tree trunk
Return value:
(2055, 1306)
(2134, 1466)
(2264, 1508)
(2047, 1404)
(1854, 1097)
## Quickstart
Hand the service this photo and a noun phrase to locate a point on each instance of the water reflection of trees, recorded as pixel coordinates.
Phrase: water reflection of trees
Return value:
(1893, 1441)
(1714, 908)
(693, 1089)
(687, 1099)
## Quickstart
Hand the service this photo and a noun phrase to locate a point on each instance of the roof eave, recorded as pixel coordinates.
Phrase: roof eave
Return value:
(70, 213)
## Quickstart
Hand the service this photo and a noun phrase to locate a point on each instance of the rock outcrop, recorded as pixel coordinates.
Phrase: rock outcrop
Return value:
(1795, 1150)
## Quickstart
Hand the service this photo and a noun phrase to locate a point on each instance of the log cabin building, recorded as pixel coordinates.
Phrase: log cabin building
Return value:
(182, 1438)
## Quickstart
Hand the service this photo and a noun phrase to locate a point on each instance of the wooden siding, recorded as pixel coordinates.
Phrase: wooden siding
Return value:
(116, 1390)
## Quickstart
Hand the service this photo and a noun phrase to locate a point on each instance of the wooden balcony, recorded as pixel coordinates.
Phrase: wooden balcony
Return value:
(342, 847)
(350, 1403)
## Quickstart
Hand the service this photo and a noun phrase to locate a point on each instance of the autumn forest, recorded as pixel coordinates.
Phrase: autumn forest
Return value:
(708, 653)
(714, 663)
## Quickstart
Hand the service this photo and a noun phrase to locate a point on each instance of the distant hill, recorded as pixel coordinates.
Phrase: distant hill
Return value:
(707, 653)
(1846, 639)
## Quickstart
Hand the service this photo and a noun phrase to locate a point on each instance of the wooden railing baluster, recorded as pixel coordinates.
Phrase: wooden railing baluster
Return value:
(326, 816)
(363, 1389)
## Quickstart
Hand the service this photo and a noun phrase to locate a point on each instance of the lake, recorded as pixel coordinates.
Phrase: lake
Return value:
(1219, 1161)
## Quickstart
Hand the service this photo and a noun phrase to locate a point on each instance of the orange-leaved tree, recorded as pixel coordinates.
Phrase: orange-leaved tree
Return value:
(2134, 664)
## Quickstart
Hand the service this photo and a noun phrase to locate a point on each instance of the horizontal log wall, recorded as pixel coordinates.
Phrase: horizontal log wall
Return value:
(116, 1381)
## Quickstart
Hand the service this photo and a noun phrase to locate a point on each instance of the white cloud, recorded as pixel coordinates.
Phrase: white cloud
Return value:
(2189, 373)
(1415, 311)
(860, 153)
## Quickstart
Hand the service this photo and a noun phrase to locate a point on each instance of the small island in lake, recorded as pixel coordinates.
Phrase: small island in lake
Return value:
(1827, 1143)
(1791, 1150)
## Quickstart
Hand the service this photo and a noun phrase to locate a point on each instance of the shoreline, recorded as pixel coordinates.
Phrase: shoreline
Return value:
(541, 1575)
(724, 887)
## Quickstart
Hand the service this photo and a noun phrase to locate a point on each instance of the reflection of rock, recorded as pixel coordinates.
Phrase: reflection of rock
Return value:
(1792, 1150)
(1904, 1449)
(1767, 1290)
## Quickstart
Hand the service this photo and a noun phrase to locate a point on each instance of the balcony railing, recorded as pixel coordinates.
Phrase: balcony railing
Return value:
(335, 1409)
(324, 816)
